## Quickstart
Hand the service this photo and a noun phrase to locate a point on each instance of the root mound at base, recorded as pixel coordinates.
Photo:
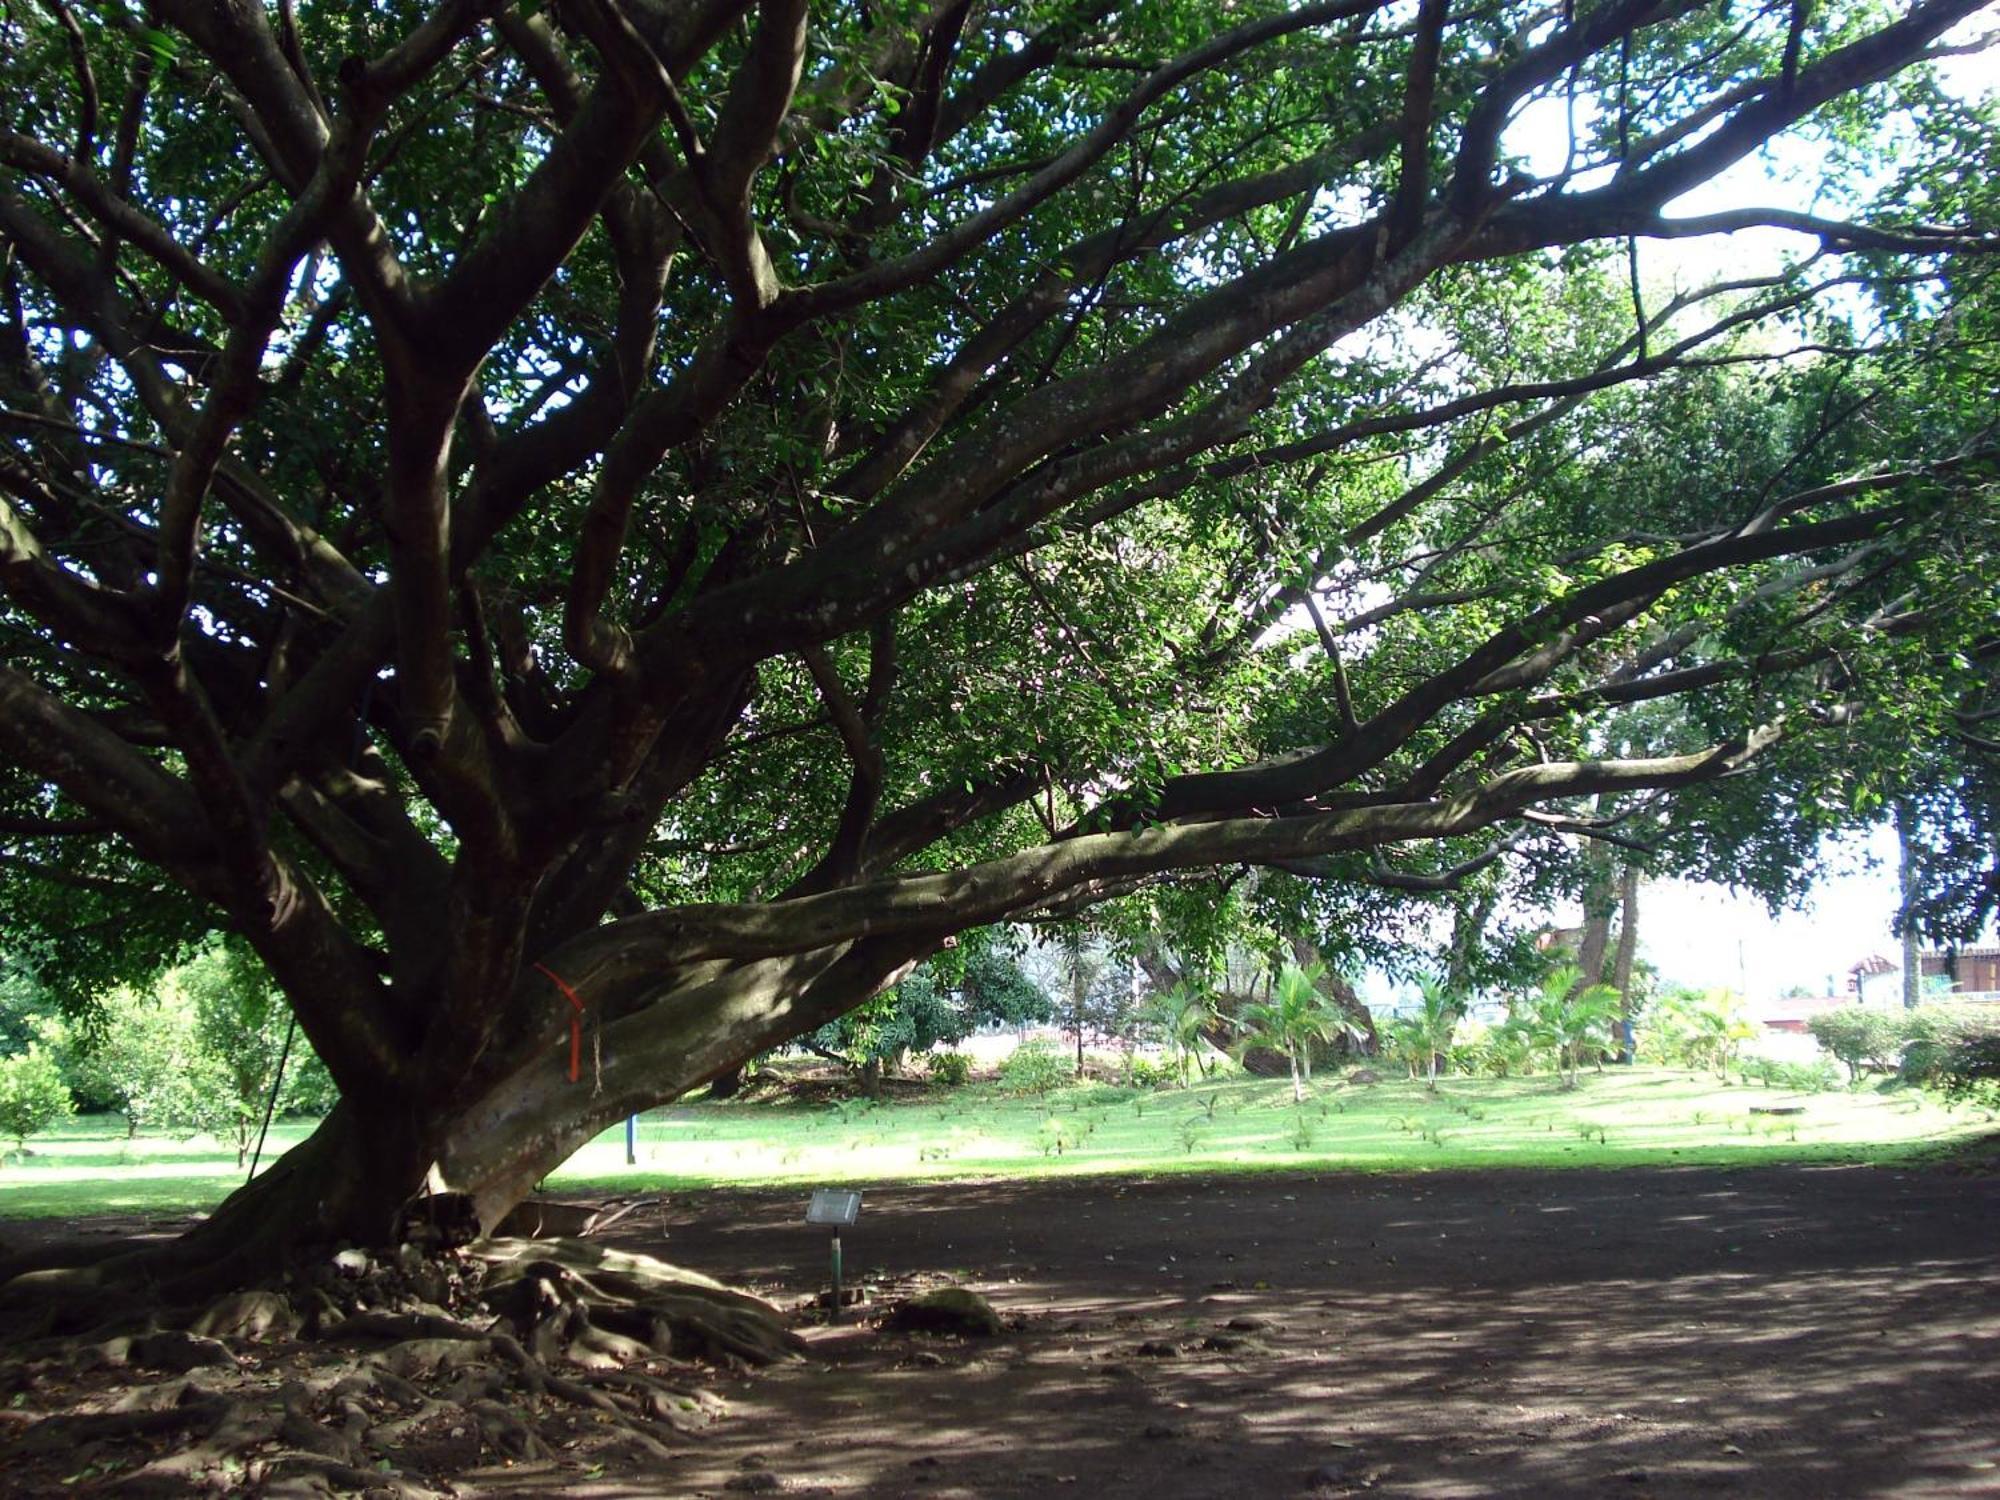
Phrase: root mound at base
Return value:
(384, 1372)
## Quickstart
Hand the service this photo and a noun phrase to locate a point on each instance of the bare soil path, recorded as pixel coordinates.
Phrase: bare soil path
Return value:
(1766, 1332)
(1770, 1332)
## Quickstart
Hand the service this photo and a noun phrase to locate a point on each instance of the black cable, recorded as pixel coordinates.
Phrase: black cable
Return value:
(271, 1104)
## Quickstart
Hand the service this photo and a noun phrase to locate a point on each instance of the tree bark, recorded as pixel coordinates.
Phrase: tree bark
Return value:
(496, 1141)
(1626, 954)
(1906, 927)
(1598, 903)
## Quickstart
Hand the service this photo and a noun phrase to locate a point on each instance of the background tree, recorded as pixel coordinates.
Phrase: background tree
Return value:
(979, 983)
(199, 1053)
(140, 1060)
(1091, 991)
(652, 518)
(33, 1095)
(244, 1049)
(1859, 1037)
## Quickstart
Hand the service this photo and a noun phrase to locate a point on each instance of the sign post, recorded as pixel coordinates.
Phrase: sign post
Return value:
(836, 1208)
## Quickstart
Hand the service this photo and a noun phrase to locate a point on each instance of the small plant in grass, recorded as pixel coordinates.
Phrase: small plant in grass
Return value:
(33, 1095)
(1190, 1134)
(1055, 1136)
(1302, 1131)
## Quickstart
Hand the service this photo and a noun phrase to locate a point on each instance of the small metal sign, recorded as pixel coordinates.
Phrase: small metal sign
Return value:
(838, 1207)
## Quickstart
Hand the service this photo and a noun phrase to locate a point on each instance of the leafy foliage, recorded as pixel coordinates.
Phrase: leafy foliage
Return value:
(1569, 1020)
(715, 505)
(1859, 1036)
(951, 1069)
(1696, 1029)
(943, 1002)
(33, 1095)
(1035, 1067)
(1295, 1016)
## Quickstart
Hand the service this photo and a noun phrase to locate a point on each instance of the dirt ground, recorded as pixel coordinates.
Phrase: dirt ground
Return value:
(1781, 1332)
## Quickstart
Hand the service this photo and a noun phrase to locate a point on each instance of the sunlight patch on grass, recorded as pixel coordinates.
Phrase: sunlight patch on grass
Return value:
(1620, 1118)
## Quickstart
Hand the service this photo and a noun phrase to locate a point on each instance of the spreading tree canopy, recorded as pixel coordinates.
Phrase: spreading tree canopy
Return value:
(595, 536)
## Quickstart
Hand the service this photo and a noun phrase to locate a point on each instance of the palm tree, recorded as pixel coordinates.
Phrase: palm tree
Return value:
(1403, 1039)
(1718, 1028)
(1569, 1017)
(1436, 1019)
(1295, 1016)
(1181, 1015)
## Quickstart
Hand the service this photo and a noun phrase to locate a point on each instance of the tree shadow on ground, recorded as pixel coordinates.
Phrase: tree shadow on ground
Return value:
(1767, 1331)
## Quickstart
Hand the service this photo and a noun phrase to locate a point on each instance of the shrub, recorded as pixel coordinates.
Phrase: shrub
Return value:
(1151, 1075)
(1492, 1051)
(1036, 1068)
(33, 1095)
(1815, 1077)
(1932, 1034)
(949, 1068)
(1859, 1037)
(1954, 1048)
(1971, 1069)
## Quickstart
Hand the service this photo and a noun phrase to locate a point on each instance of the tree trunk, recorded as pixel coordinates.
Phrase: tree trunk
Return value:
(1906, 927)
(1468, 931)
(1598, 903)
(496, 1141)
(1626, 955)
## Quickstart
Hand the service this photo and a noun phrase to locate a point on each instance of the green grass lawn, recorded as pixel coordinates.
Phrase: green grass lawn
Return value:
(1618, 1118)
(87, 1166)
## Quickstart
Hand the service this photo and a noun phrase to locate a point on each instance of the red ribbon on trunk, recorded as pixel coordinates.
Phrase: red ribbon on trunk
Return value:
(575, 1023)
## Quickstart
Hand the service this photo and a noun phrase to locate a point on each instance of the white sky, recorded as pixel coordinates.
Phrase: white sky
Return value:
(1708, 937)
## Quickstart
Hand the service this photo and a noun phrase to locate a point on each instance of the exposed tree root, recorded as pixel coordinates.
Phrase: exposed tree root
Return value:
(378, 1374)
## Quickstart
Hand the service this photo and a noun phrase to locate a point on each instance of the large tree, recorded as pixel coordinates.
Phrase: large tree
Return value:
(597, 536)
